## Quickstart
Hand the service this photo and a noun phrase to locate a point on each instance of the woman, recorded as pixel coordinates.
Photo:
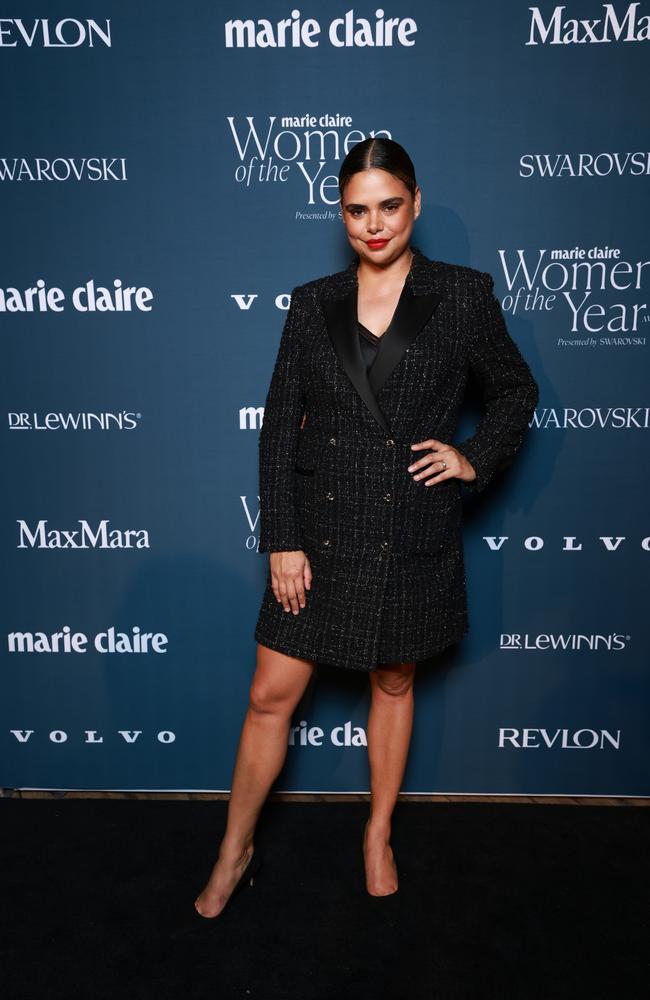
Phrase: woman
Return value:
(360, 491)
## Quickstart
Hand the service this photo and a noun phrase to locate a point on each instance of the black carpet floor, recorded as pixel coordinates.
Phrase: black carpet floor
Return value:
(496, 901)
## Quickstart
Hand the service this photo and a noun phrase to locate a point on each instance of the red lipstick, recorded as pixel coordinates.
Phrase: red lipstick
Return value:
(376, 244)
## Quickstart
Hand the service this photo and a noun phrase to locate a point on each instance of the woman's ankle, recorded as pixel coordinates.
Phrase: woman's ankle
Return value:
(237, 851)
(378, 826)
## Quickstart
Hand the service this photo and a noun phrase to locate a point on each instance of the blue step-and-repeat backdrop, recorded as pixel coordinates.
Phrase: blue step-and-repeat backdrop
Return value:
(168, 174)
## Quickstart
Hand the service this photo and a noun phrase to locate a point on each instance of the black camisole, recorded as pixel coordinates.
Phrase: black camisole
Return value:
(369, 345)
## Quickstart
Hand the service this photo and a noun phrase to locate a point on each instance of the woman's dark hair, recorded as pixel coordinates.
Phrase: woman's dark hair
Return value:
(384, 154)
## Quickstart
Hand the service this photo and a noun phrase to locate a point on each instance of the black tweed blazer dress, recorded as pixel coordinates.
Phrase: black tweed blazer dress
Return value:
(386, 551)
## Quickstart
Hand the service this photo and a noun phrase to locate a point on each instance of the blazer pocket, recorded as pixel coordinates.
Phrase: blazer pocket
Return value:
(308, 454)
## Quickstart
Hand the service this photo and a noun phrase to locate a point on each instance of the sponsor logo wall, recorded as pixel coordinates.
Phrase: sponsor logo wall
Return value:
(166, 178)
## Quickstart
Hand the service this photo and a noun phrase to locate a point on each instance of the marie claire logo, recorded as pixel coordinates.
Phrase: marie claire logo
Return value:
(129, 736)
(589, 418)
(270, 153)
(67, 641)
(42, 537)
(85, 298)
(63, 168)
(86, 421)
(342, 32)
(535, 543)
(593, 642)
(66, 33)
(345, 735)
(250, 418)
(609, 27)
(582, 280)
(560, 739)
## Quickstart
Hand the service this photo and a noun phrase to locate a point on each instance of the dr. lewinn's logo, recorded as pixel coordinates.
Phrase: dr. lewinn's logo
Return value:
(564, 640)
(609, 27)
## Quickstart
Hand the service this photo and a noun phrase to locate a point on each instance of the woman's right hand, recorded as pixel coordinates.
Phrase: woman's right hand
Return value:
(290, 575)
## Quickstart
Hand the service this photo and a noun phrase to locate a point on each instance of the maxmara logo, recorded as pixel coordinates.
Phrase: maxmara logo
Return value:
(66, 33)
(42, 537)
(559, 739)
(295, 32)
(593, 642)
(615, 24)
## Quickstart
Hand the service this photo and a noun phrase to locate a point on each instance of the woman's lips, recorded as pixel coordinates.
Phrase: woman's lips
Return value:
(376, 244)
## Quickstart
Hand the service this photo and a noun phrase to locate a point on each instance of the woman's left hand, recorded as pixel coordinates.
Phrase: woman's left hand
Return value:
(444, 463)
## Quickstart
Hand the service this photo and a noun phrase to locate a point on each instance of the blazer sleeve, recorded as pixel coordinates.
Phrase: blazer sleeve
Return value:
(509, 391)
(278, 441)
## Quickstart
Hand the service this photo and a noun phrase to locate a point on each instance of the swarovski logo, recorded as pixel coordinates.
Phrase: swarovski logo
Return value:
(81, 538)
(563, 739)
(588, 417)
(573, 31)
(67, 33)
(63, 168)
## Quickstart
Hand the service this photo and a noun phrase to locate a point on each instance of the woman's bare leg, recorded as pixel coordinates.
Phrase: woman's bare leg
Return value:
(277, 686)
(390, 723)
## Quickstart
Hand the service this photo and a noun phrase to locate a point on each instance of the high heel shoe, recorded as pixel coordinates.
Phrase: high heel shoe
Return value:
(247, 877)
(385, 895)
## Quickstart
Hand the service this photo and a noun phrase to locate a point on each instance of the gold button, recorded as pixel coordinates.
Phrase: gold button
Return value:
(326, 541)
(332, 440)
(389, 442)
(387, 496)
(329, 496)
(384, 545)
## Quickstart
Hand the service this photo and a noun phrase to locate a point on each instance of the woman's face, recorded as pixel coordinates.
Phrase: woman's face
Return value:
(376, 206)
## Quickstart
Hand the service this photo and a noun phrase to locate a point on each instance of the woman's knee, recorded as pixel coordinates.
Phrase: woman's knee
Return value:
(268, 698)
(395, 680)
(278, 684)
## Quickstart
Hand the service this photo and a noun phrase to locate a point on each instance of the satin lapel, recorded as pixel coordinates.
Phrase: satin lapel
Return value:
(411, 314)
(341, 318)
(414, 309)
